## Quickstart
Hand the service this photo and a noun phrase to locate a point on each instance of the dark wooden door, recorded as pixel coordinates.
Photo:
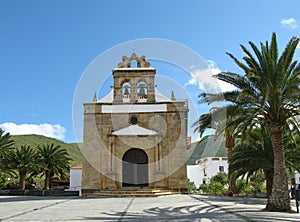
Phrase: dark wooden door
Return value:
(135, 168)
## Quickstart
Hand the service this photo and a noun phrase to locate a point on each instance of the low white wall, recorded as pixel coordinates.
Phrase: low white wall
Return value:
(194, 174)
(297, 177)
(75, 178)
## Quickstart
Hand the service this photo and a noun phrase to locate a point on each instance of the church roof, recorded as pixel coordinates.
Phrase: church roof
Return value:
(159, 97)
(108, 98)
(134, 130)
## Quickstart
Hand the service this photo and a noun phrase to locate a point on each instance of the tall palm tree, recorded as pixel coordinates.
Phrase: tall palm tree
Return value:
(253, 154)
(292, 144)
(221, 120)
(215, 120)
(269, 92)
(5, 143)
(53, 160)
(21, 161)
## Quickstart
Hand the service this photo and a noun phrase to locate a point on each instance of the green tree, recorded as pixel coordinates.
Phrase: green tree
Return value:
(269, 92)
(222, 119)
(53, 160)
(292, 144)
(6, 143)
(215, 121)
(21, 161)
(252, 154)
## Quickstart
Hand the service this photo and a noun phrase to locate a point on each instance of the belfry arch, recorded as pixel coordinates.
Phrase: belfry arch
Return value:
(141, 79)
(126, 91)
(142, 91)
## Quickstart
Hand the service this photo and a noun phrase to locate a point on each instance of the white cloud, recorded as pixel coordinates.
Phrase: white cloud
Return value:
(205, 80)
(289, 23)
(50, 130)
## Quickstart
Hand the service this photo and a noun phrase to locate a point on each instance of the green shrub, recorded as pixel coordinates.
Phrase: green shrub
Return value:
(192, 187)
(217, 189)
(204, 188)
(249, 189)
(239, 186)
(220, 178)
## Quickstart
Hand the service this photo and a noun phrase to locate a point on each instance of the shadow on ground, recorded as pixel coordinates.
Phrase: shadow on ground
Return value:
(187, 213)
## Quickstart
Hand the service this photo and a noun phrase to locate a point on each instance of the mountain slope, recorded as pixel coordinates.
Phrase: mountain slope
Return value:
(34, 140)
(74, 151)
(198, 151)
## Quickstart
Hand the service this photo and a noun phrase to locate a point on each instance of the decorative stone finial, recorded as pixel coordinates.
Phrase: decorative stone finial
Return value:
(173, 96)
(95, 99)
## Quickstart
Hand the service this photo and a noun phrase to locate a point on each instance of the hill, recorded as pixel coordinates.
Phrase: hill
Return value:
(34, 140)
(205, 149)
(74, 151)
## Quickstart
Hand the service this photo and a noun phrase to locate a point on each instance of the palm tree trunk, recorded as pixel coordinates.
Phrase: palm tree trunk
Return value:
(50, 180)
(229, 144)
(22, 180)
(279, 199)
(269, 175)
(47, 180)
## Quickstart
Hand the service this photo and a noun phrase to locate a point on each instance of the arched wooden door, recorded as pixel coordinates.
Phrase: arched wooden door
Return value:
(135, 168)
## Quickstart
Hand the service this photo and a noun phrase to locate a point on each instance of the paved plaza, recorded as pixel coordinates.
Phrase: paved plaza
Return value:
(167, 208)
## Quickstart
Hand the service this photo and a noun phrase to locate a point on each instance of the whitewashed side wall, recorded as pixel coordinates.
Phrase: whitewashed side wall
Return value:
(297, 177)
(75, 178)
(212, 167)
(195, 174)
(206, 169)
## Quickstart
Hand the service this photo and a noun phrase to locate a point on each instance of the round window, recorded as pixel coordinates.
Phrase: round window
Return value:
(133, 120)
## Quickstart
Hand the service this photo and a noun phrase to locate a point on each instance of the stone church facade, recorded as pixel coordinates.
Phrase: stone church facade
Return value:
(134, 136)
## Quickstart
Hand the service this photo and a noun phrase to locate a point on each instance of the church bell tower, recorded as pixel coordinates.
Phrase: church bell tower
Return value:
(134, 84)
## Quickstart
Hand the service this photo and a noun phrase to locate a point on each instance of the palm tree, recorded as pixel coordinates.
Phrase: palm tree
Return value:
(216, 120)
(5, 143)
(251, 155)
(269, 92)
(21, 161)
(253, 152)
(54, 160)
(291, 144)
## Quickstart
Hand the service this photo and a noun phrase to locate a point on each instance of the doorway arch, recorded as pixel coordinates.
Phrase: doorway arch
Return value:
(135, 168)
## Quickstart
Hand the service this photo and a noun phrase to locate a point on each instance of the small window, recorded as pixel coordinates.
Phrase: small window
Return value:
(221, 168)
(133, 120)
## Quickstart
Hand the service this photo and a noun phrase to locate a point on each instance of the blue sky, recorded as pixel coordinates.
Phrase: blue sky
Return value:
(45, 47)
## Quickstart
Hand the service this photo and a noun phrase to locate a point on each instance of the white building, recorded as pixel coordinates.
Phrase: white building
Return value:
(206, 168)
(297, 177)
(75, 179)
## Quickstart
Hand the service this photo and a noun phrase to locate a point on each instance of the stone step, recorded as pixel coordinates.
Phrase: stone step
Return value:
(131, 193)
